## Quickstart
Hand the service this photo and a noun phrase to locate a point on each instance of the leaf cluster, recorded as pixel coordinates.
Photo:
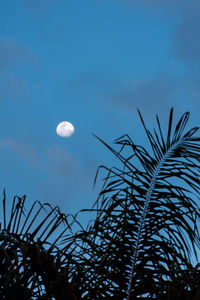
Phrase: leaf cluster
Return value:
(140, 244)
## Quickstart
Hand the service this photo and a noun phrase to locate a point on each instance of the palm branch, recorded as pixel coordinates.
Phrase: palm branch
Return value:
(33, 264)
(147, 213)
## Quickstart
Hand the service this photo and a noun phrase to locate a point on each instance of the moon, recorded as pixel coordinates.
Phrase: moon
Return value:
(65, 129)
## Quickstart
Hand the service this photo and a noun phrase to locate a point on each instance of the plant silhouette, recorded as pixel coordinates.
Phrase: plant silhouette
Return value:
(139, 245)
(159, 216)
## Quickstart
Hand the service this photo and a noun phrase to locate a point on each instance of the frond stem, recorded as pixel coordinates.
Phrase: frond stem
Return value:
(145, 209)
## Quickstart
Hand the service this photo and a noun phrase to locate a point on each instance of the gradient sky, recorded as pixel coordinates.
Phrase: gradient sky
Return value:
(93, 63)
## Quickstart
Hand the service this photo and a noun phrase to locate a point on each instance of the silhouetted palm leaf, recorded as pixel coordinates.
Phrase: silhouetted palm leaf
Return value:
(32, 265)
(147, 214)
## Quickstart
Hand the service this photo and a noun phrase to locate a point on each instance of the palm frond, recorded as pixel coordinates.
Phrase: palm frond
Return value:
(161, 192)
(32, 262)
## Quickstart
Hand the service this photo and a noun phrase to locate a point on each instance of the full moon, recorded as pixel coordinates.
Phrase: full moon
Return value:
(65, 129)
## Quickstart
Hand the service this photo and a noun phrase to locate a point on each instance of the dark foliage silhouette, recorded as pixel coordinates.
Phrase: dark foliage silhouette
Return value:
(140, 244)
(31, 264)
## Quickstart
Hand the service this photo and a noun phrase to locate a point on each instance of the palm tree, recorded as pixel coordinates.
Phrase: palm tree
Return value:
(140, 244)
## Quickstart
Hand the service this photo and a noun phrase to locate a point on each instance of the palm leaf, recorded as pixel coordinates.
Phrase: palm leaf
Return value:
(159, 191)
(33, 264)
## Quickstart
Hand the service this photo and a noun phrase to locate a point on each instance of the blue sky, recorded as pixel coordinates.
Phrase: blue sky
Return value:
(92, 63)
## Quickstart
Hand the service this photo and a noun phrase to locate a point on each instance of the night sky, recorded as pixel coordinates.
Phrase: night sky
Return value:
(92, 63)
